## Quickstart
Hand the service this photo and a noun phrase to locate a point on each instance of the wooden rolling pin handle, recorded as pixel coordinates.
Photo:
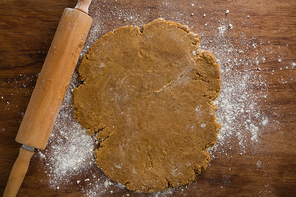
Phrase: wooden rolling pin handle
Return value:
(83, 5)
(18, 172)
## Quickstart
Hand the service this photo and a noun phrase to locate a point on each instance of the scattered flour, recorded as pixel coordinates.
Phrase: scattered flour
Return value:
(222, 29)
(258, 164)
(70, 149)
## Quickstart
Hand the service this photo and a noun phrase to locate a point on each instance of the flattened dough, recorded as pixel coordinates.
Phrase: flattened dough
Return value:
(147, 94)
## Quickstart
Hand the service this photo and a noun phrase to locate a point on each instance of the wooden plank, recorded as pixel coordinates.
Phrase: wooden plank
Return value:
(265, 168)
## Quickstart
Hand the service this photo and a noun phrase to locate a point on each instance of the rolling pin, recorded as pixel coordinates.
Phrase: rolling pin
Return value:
(50, 89)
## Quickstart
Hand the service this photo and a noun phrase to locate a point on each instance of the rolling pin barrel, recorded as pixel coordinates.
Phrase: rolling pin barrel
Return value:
(54, 79)
(50, 89)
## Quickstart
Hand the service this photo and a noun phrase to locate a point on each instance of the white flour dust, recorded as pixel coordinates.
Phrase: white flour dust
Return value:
(237, 110)
(70, 150)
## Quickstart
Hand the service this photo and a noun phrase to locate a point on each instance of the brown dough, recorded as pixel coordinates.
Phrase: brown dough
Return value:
(148, 94)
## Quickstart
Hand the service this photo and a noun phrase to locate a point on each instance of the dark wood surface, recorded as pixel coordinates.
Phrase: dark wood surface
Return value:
(27, 28)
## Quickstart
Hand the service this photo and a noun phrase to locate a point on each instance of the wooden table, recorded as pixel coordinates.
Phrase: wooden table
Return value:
(264, 36)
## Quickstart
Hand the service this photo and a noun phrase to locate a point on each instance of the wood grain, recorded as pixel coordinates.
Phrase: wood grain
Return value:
(27, 29)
